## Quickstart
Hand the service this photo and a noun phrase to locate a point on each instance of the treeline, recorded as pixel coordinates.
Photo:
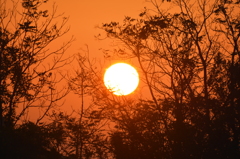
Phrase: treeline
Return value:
(188, 58)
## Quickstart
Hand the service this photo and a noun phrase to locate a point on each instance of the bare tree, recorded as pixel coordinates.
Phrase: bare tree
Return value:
(28, 66)
(177, 51)
(87, 131)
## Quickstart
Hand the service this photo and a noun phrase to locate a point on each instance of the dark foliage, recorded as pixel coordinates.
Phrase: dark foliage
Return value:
(29, 141)
(193, 79)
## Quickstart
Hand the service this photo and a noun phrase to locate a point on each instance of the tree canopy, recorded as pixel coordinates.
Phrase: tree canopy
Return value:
(188, 59)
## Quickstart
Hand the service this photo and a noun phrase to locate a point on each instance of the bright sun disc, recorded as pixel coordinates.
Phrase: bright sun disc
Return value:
(121, 79)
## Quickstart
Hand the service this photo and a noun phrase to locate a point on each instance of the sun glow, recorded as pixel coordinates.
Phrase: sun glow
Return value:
(121, 79)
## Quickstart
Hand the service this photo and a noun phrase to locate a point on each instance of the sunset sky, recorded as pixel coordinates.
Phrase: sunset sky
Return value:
(119, 79)
(84, 17)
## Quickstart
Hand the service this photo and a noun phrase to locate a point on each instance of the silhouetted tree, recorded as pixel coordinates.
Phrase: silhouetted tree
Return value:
(27, 64)
(31, 141)
(28, 78)
(86, 131)
(189, 59)
(77, 140)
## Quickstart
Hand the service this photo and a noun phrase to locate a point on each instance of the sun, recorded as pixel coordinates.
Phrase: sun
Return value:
(121, 79)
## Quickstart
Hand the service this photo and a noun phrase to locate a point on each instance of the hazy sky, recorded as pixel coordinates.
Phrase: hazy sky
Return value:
(85, 15)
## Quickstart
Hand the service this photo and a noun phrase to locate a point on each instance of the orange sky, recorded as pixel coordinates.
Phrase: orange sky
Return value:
(85, 15)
